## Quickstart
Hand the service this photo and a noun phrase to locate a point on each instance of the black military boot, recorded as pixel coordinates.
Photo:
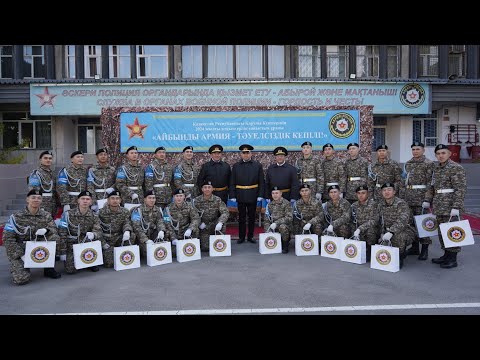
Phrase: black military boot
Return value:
(402, 258)
(424, 252)
(441, 259)
(414, 250)
(284, 247)
(239, 241)
(451, 261)
(51, 273)
(94, 268)
(369, 254)
(251, 241)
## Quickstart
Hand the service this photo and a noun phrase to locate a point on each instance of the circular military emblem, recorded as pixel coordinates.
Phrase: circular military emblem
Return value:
(456, 234)
(342, 125)
(307, 244)
(219, 245)
(160, 253)
(88, 255)
(429, 224)
(412, 95)
(189, 249)
(270, 242)
(330, 247)
(351, 251)
(39, 254)
(127, 257)
(383, 257)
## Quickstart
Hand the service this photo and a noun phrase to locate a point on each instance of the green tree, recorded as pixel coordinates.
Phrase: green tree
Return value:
(6, 156)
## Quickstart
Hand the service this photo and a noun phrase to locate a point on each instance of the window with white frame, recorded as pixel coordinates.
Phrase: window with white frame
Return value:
(393, 61)
(220, 61)
(119, 61)
(93, 61)
(70, 62)
(367, 61)
(89, 135)
(192, 62)
(6, 61)
(152, 61)
(424, 129)
(26, 131)
(276, 61)
(456, 60)
(249, 61)
(309, 61)
(33, 62)
(337, 61)
(428, 64)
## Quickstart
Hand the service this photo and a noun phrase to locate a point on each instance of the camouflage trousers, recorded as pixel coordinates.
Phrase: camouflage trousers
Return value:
(417, 210)
(115, 240)
(299, 224)
(403, 239)
(20, 275)
(441, 219)
(343, 231)
(69, 263)
(204, 235)
(50, 206)
(370, 236)
(284, 231)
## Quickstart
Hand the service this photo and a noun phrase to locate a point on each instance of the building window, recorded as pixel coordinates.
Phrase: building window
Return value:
(119, 61)
(152, 61)
(26, 131)
(367, 61)
(6, 62)
(70, 61)
(249, 61)
(428, 65)
(276, 61)
(93, 61)
(379, 131)
(309, 61)
(425, 129)
(89, 135)
(192, 62)
(33, 62)
(393, 61)
(456, 60)
(337, 60)
(220, 61)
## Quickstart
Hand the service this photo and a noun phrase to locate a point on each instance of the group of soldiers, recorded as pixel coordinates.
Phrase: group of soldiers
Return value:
(373, 202)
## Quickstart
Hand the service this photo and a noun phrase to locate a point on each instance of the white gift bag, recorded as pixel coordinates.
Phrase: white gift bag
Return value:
(385, 257)
(331, 246)
(456, 233)
(426, 224)
(159, 253)
(220, 245)
(39, 254)
(270, 243)
(188, 250)
(354, 251)
(101, 203)
(126, 257)
(306, 244)
(87, 254)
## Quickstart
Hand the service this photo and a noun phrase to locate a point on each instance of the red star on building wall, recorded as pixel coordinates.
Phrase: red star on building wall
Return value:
(136, 129)
(46, 98)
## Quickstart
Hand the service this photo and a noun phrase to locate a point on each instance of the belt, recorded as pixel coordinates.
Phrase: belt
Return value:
(354, 178)
(133, 187)
(160, 185)
(330, 184)
(189, 185)
(246, 186)
(443, 191)
(100, 190)
(416, 186)
(47, 194)
(74, 193)
(285, 190)
(309, 179)
(220, 189)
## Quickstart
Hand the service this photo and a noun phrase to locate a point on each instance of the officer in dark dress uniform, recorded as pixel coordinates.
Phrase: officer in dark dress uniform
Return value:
(216, 171)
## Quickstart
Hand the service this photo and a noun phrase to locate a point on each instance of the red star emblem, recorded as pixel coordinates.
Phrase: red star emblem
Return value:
(46, 98)
(456, 234)
(412, 94)
(136, 129)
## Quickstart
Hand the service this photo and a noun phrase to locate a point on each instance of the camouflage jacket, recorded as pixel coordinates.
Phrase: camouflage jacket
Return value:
(355, 168)
(147, 222)
(449, 176)
(380, 173)
(308, 212)
(157, 173)
(129, 175)
(114, 222)
(180, 218)
(278, 212)
(186, 172)
(310, 168)
(100, 178)
(71, 179)
(337, 215)
(395, 217)
(212, 210)
(43, 179)
(418, 172)
(74, 225)
(365, 216)
(333, 172)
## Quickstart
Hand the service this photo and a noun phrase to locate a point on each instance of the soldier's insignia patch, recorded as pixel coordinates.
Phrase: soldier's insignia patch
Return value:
(330, 247)
(127, 257)
(351, 251)
(160, 253)
(189, 249)
(270, 242)
(456, 234)
(383, 257)
(88, 255)
(307, 244)
(412, 95)
(219, 245)
(39, 254)
(429, 224)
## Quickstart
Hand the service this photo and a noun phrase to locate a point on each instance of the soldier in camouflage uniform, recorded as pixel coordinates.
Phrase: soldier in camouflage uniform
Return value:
(158, 177)
(338, 213)
(71, 181)
(77, 225)
(356, 172)
(278, 214)
(449, 187)
(333, 171)
(310, 171)
(213, 214)
(43, 179)
(396, 220)
(186, 173)
(26, 225)
(308, 212)
(383, 170)
(148, 222)
(130, 177)
(116, 227)
(101, 178)
(418, 180)
(365, 218)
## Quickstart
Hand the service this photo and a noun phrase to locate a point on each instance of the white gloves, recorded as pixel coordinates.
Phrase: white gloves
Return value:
(134, 196)
(109, 190)
(188, 232)
(356, 233)
(273, 226)
(233, 200)
(318, 196)
(90, 235)
(218, 227)
(174, 242)
(149, 242)
(126, 235)
(202, 226)
(307, 226)
(259, 198)
(387, 236)
(426, 205)
(455, 212)
(330, 228)
(161, 235)
(63, 257)
(106, 246)
(66, 207)
(41, 231)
